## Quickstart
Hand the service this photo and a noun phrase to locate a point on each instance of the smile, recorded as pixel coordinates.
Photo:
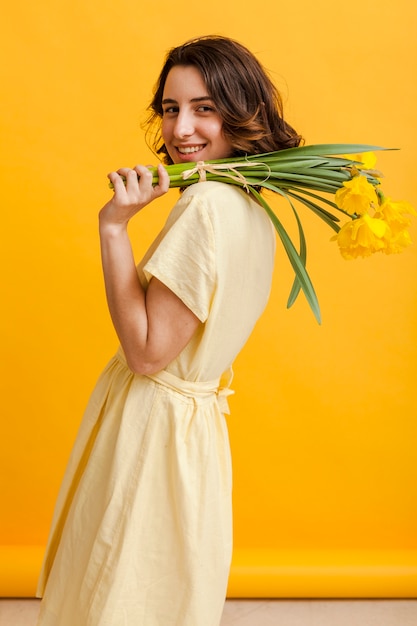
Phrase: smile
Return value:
(189, 149)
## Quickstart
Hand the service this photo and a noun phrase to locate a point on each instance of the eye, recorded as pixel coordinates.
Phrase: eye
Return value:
(170, 109)
(205, 108)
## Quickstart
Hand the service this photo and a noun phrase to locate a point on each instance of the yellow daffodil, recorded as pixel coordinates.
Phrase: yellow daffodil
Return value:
(394, 214)
(356, 196)
(396, 243)
(362, 237)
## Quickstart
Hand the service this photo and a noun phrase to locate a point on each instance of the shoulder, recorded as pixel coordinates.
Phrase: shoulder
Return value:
(210, 192)
(223, 208)
(222, 202)
(216, 200)
(205, 203)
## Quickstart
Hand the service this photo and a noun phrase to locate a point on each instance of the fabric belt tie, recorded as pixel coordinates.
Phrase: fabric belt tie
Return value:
(196, 389)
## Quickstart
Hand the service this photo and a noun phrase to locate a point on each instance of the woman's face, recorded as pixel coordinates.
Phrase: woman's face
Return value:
(191, 125)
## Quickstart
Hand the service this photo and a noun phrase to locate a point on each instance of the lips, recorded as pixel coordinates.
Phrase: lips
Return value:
(190, 149)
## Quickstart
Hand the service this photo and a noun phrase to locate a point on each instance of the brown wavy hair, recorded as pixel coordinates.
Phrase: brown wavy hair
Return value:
(248, 102)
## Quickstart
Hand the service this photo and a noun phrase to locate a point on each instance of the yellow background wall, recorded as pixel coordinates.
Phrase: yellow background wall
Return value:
(323, 426)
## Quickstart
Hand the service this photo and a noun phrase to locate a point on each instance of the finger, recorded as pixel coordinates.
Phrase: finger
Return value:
(145, 177)
(122, 171)
(163, 181)
(126, 172)
(130, 178)
(144, 170)
(116, 180)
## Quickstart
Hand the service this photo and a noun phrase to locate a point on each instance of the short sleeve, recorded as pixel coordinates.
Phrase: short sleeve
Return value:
(184, 259)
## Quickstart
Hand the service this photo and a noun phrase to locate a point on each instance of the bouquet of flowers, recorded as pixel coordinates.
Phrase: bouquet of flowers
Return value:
(308, 175)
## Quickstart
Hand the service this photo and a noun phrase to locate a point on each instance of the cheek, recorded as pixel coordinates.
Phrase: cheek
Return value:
(217, 129)
(165, 129)
(214, 131)
(225, 140)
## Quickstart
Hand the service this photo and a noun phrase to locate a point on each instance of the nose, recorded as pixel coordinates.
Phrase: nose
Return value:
(184, 125)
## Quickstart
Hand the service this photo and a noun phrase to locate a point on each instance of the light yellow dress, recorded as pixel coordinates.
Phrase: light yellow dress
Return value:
(142, 529)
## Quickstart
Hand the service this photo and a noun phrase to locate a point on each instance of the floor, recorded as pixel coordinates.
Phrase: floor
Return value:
(23, 612)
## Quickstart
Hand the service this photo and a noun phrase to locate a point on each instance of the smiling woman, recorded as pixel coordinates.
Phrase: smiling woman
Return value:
(142, 531)
(235, 90)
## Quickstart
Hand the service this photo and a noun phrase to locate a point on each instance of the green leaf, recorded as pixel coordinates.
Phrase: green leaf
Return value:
(327, 217)
(295, 290)
(294, 257)
(323, 149)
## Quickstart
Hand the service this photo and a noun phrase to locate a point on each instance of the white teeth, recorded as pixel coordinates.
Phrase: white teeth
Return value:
(189, 150)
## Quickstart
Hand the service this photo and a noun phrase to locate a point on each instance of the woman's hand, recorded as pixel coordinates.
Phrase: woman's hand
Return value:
(130, 197)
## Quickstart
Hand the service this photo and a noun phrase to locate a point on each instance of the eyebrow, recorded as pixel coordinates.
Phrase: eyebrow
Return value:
(200, 99)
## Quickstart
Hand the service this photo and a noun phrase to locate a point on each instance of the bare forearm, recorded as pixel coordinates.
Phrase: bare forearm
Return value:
(125, 295)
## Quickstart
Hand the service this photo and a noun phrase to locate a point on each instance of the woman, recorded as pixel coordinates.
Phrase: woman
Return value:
(142, 532)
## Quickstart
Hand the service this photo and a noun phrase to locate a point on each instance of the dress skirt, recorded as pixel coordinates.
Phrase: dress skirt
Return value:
(142, 530)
